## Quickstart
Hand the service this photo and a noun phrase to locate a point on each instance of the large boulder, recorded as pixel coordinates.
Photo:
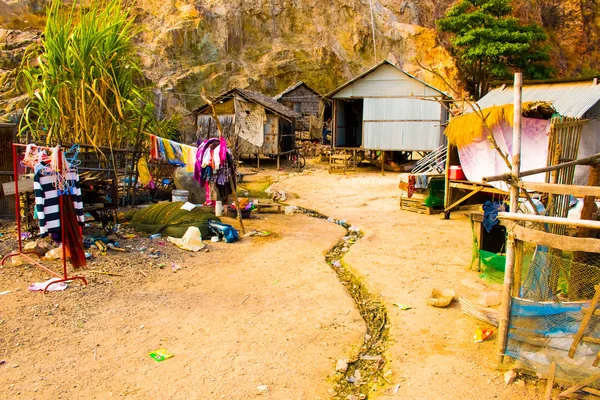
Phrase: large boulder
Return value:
(185, 181)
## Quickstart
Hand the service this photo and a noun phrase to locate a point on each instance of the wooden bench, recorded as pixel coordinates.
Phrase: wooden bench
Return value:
(262, 205)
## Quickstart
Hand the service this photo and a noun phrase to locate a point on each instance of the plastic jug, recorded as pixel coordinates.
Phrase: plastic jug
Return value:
(218, 208)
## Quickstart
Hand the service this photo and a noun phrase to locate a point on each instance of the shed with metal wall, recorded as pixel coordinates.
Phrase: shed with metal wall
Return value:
(386, 108)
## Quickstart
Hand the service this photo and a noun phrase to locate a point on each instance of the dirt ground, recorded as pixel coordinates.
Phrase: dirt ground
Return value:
(265, 311)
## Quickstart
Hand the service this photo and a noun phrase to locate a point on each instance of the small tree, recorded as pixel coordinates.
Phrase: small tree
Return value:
(84, 84)
(490, 44)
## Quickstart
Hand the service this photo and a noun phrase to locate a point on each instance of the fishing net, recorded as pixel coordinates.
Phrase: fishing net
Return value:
(170, 220)
(551, 286)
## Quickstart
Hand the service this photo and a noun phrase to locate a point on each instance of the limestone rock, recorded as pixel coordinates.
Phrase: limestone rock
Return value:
(341, 366)
(185, 181)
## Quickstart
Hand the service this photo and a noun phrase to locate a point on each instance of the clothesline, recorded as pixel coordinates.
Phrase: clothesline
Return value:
(173, 152)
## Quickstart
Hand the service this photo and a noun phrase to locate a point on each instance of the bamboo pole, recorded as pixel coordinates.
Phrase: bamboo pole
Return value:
(514, 205)
(137, 154)
(232, 175)
(549, 220)
(555, 269)
(550, 384)
(447, 182)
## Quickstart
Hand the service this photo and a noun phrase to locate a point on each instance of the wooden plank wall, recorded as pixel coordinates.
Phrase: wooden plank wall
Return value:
(309, 105)
(7, 133)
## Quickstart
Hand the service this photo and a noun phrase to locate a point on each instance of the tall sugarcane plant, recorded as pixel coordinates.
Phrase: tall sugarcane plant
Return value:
(84, 86)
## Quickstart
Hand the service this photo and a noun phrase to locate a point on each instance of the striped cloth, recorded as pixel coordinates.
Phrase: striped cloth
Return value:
(47, 201)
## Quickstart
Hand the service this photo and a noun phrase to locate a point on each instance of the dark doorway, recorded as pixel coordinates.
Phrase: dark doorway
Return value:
(349, 122)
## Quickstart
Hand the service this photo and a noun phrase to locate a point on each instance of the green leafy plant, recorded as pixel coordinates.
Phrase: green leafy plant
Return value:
(84, 84)
(490, 44)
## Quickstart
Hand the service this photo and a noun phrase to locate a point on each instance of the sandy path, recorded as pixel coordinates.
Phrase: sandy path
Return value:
(403, 256)
(264, 311)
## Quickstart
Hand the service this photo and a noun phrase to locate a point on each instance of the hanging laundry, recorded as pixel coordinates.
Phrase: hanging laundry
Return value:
(144, 173)
(190, 159)
(490, 213)
(411, 186)
(421, 181)
(178, 157)
(56, 185)
(172, 152)
(153, 147)
(47, 201)
(214, 164)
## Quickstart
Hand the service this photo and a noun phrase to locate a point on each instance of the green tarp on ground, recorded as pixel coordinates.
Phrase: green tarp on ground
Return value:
(169, 219)
(492, 266)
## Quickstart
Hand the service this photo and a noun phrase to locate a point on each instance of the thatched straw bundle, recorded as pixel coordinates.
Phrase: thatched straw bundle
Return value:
(464, 129)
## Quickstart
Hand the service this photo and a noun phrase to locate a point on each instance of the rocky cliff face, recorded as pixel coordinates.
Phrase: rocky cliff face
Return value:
(270, 44)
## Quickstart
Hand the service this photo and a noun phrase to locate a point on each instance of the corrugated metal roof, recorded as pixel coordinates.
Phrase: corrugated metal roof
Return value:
(367, 72)
(255, 97)
(570, 99)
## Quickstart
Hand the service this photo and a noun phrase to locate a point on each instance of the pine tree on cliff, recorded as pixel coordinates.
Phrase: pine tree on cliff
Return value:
(490, 44)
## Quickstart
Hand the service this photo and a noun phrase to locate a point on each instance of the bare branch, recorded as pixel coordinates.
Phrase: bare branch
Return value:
(474, 107)
(214, 112)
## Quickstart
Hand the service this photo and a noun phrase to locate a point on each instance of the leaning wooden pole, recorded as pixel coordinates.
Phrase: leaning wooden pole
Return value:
(510, 238)
(231, 174)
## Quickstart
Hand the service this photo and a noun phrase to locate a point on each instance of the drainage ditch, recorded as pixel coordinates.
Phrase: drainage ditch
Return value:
(365, 371)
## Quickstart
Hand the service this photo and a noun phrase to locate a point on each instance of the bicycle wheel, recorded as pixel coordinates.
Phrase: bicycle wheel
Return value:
(301, 161)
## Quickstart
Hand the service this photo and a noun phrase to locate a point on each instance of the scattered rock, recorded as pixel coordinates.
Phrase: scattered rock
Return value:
(16, 261)
(40, 247)
(368, 357)
(262, 389)
(510, 376)
(490, 299)
(184, 180)
(282, 195)
(341, 366)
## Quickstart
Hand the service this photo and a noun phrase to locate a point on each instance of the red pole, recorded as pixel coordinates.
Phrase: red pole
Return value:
(17, 202)
(61, 215)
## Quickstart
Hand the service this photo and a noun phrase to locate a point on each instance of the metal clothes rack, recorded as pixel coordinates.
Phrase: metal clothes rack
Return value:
(64, 277)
